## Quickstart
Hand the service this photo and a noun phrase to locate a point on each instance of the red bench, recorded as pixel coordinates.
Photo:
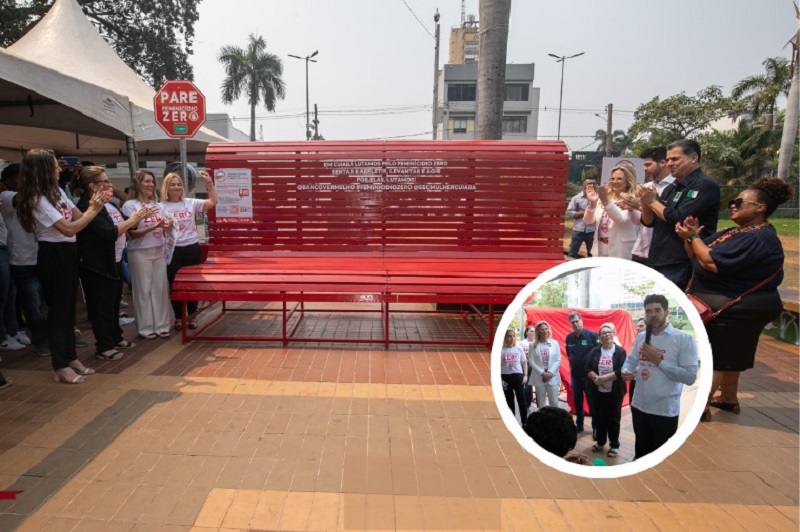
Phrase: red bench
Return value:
(465, 224)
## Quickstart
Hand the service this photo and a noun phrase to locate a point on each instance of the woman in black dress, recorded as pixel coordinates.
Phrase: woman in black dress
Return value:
(725, 266)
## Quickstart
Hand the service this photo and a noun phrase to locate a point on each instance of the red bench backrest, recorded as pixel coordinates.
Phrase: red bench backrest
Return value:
(401, 197)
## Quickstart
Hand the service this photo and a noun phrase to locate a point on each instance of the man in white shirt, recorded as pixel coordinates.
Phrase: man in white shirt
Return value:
(662, 359)
(658, 178)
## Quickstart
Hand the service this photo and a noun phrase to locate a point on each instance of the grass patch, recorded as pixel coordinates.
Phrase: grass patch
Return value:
(786, 227)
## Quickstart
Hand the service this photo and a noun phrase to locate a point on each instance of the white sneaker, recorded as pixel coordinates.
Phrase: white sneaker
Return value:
(11, 345)
(126, 321)
(22, 338)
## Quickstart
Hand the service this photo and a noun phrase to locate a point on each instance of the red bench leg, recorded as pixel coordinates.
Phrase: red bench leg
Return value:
(385, 308)
(491, 326)
(285, 340)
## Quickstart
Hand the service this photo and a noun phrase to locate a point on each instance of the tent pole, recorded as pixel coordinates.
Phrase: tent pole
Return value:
(184, 163)
(133, 162)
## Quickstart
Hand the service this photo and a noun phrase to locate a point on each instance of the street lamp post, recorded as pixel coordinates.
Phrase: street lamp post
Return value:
(307, 59)
(562, 59)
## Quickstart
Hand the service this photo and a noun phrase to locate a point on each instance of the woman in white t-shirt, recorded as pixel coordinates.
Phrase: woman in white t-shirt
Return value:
(544, 361)
(146, 260)
(187, 246)
(513, 372)
(44, 209)
(604, 367)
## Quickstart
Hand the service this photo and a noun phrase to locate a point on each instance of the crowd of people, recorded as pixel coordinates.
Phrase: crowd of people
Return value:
(662, 360)
(669, 223)
(65, 228)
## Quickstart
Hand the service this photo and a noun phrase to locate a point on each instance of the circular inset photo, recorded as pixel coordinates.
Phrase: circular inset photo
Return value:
(601, 367)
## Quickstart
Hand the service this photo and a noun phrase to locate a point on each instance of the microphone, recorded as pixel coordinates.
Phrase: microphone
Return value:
(647, 334)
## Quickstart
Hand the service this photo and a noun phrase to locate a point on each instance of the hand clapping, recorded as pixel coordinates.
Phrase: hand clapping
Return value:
(100, 198)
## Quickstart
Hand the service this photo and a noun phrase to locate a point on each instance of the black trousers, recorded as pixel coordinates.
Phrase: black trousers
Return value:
(57, 268)
(514, 388)
(183, 256)
(652, 431)
(102, 304)
(606, 413)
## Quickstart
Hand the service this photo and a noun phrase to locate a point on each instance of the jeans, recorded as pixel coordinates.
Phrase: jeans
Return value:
(29, 291)
(577, 239)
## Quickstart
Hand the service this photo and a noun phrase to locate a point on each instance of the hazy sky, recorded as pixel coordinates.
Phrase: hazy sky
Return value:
(375, 69)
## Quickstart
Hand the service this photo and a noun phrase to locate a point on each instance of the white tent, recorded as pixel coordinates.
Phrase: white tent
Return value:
(63, 87)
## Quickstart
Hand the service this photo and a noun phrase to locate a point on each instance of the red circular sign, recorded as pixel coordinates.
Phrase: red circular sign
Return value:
(180, 108)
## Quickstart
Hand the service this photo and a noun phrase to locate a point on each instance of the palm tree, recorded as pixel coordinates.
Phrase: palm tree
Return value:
(254, 72)
(760, 93)
(620, 142)
(494, 18)
(792, 109)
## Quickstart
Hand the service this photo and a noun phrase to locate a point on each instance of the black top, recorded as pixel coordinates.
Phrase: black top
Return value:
(618, 359)
(578, 346)
(96, 243)
(696, 195)
(742, 261)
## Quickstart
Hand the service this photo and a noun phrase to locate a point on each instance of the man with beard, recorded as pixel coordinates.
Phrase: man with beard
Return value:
(662, 360)
(658, 178)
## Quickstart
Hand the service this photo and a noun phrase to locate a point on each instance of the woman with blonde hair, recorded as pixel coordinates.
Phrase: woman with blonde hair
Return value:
(45, 210)
(544, 360)
(187, 247)
(617, 225)
(146, 259)
(98, 249)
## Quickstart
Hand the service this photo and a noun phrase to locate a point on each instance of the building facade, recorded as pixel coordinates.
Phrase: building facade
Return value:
(464, 42)
(457, 102)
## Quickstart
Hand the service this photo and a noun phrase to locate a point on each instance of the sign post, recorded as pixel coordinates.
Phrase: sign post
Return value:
(180, 110)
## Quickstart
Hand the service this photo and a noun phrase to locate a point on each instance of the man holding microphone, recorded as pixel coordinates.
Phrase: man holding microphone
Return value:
(662, 360)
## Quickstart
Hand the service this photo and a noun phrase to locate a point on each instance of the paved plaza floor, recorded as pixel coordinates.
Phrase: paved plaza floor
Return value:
(238, 436)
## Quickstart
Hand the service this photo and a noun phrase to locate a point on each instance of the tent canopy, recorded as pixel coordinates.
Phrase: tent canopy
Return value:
(80, 99)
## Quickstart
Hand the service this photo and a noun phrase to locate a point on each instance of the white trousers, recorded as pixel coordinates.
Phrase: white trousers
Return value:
(150, 290)
(552, 395)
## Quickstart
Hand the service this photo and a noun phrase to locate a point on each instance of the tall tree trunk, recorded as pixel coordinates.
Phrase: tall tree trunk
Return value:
(494, 17)
(252, 121)
(790, 121)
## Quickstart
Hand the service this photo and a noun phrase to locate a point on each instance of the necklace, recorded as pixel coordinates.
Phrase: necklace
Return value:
(738, 230)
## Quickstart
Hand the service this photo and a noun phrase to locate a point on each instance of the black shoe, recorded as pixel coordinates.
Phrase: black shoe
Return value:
(580, 429)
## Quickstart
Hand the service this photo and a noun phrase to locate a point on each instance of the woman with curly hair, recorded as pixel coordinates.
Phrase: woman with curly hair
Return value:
(45, 210)
(617, 226)
(727, 265)
(146, 259)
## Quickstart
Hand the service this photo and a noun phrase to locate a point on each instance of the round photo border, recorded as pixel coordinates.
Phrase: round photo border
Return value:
(613, 471)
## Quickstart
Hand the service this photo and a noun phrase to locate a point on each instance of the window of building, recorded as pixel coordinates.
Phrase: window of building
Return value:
(471, 47)
(515, 124)
(460, 125)
(470, 58)
(461, 92)
(517, 92)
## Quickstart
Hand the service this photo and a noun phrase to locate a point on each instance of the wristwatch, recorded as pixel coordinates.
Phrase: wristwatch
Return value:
(690, 239)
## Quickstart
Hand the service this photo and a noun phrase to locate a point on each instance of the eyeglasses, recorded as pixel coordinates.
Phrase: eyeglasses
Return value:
(737, 203)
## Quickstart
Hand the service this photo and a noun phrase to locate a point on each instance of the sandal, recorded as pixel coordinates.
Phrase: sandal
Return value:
(111, 354)
(151, 336)
(728, 407)
(125, 344)
(612, 453)
(597, 448)
(178, 325)
(81, 370)
(60, 377)
(163, 334)
(193, 324)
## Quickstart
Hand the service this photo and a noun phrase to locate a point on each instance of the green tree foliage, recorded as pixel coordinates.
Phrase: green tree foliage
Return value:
(154, 37)
(741, 155)
(552, 295)
(639, 290)
(254, 72)
(659, 122)
(759, 94)
(620, 142)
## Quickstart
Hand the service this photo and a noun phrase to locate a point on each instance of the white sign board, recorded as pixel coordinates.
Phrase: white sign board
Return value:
(235, 193)
(611, 162)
